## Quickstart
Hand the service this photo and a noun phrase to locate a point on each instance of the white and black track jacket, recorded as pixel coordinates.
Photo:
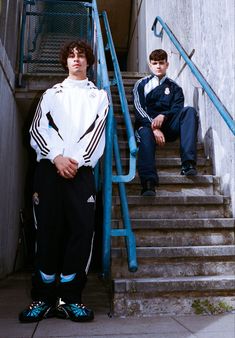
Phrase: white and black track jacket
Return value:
(70, 121)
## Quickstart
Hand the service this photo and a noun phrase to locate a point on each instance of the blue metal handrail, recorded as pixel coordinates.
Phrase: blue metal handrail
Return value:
(103, 82)
(120, 178)
(108, 178)
(205, 85)
(124, 105)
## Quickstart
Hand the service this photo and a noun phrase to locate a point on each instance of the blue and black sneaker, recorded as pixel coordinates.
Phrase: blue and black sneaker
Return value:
(36, 311)
(75, 312)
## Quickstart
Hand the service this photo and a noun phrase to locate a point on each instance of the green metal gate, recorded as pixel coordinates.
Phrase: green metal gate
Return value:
(46, 26)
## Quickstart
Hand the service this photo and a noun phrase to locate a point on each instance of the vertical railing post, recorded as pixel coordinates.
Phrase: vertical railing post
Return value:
(107, 170)
(130, 237)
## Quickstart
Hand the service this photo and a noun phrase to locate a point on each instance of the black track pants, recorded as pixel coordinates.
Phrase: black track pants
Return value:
(64, 214)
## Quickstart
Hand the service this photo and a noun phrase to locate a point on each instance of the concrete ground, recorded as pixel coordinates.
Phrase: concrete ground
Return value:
(14, 295)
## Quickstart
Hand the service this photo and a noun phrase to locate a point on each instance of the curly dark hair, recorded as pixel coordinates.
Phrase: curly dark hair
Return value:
(82, 47)
(158, 55)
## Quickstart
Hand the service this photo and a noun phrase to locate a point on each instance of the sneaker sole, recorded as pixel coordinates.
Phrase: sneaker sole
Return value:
(79, 319)
(65, 315)
(191, 172)
(149, 193)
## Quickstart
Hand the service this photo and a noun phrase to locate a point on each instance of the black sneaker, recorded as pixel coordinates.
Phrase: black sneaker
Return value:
(75, 312)
(148, 188)
(36, 311)
(188, 169)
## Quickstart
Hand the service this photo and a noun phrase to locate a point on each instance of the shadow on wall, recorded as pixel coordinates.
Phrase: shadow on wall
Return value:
(216, 151)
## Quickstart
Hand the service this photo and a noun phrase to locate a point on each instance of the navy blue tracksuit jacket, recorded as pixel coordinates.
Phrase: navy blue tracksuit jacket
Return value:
(152, 98)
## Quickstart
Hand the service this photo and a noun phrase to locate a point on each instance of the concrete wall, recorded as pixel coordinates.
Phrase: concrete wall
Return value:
(138, 44)
(11, 150)
(118, 13)
(208, 27)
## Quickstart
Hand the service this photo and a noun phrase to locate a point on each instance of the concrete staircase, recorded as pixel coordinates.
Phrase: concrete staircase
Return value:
(184, 235)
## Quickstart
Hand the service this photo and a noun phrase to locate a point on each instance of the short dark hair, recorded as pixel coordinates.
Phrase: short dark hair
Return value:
(82, 47)
(158, 54)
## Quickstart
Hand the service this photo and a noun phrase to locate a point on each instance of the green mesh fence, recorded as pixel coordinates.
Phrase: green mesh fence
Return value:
(49, 25)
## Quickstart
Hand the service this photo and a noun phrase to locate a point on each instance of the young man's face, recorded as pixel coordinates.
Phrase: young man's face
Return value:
(77, 63)
(159, 67)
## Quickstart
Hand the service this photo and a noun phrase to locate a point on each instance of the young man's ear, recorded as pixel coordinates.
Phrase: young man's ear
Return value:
(149, 64)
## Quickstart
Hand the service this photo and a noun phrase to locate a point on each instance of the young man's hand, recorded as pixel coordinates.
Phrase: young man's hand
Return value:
(159, 137)
(158, 121)
(66, 166)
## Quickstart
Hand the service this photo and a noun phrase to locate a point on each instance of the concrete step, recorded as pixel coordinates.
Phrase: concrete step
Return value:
(172, 166)
(116, 98)
(176, 207)
(178, 184)
(171, 149)
(153, 267)
(170, 296)
(179, 224)
(128, 88)
(173, 200)
(130, 75)
(216, 252)
(120, 120)
(117, 108)
(37, 83)
(181, 232)
(176, 261)
(199, 283)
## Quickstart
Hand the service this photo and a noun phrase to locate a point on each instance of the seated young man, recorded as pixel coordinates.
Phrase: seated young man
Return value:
(160, 116)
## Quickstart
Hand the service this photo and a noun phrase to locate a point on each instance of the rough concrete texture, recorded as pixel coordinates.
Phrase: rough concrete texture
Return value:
(14, 295)
(155, 268)
(139, 305)
(183, 238)
(185, 241)
(208, 27)
(11, 141)
(11, 172)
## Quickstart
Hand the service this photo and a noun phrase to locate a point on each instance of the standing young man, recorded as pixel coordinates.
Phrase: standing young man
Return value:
(160, 116)
(68, 135)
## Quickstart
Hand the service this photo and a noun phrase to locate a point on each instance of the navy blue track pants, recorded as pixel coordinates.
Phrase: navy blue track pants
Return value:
(183, 125)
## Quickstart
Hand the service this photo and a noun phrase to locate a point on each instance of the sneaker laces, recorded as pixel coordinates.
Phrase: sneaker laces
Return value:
(80, 305)
(35, 304)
